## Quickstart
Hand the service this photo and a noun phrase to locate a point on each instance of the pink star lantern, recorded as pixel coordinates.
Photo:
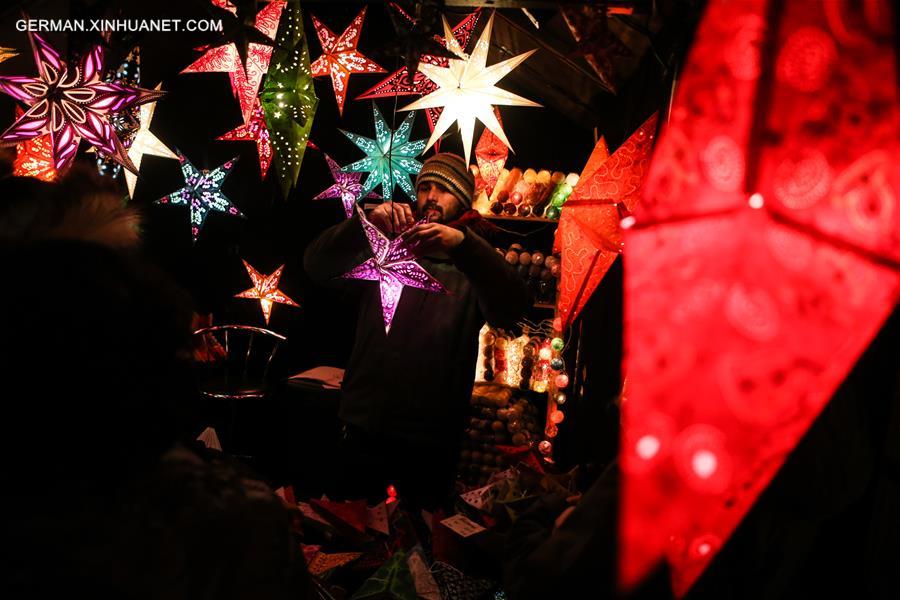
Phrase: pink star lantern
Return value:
(254, 131)
(245, 79)
(340, 58)
(346, 186)
(70, 104)
(392, 266)
(398, 82)
(265, 289)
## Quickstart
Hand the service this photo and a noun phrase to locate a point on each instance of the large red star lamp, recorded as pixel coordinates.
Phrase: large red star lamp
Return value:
(763, 260)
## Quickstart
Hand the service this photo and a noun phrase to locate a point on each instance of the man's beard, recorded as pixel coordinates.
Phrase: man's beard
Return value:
(433, 217)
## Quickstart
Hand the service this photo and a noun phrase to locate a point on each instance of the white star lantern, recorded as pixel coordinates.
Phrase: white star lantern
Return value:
(145, 143)
(466, 91)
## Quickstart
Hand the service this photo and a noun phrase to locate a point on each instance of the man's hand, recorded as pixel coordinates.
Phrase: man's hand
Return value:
(392, 217)
(429, 238)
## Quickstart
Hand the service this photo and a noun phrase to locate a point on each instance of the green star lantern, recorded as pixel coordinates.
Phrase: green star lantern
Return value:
(390, 157)
(288, 98)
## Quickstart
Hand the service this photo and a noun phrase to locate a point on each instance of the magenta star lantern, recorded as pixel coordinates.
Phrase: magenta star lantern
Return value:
(71, 103)
(393, 266)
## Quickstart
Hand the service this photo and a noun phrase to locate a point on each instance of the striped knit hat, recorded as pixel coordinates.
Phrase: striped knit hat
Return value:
(449, 170)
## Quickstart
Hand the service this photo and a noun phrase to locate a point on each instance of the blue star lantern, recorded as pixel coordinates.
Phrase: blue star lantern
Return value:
(390, 157)
(202, 192)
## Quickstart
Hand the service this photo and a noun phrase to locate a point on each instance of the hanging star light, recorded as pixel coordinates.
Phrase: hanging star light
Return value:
(265, 289)
(145, 142)
(346, 187)
(70, 104)
(392, 266)
(399, 84)
(340, 58)
(390, 156)
(126, 122)
(467, 92)
(202, 193)
(34, 157)
(491, 155)
(247, 58)
(7, 53)
(254, 131)
(288, 98)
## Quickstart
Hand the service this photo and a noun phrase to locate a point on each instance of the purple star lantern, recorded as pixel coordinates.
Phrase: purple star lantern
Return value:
(392, 266)
(71, 103)
(346, 187)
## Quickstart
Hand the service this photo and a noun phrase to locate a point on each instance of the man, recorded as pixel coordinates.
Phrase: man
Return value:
(406, 393)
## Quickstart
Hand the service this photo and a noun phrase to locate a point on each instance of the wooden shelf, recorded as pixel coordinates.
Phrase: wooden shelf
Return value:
(514, 218)
(544, 305)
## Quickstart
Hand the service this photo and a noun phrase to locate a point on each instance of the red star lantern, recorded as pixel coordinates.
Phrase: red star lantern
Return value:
(763, 260)
(340, 58)
(398, 83)
(490, 154)
(254, 131)
(34, 158)
(265, 289)
(245, 78)
(588, 233)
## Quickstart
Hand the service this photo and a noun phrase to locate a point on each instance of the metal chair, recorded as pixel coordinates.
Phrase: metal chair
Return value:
(233, 361)
(232, 364)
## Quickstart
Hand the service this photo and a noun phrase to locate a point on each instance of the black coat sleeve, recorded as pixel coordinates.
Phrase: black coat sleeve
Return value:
(502, 295)
(336, 250)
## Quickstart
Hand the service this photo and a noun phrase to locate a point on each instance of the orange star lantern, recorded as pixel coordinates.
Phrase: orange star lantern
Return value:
(265, 289)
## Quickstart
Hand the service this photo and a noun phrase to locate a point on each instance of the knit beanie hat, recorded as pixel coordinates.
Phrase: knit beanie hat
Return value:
(449, 170)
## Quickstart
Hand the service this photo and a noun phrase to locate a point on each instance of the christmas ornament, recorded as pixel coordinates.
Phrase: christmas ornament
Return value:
(288, 98)
(254, 131)
(340, 58)
(126, 122)
(202, 192)
(758, 267)
(246, 53)
(393, 266)
(390, 157)
(466, 90)
(144, 142)
(265, 289)
(408, 81)
(346, 187)
(70, 104)
(588, 233)
(34, 157)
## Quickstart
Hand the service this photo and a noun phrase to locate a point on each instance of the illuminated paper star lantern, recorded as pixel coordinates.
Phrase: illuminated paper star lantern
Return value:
(758, 269)
(245, 64)
(254, 131)
(491, 155)
(346, 186)
(467, 92)
(340, 58)
(288, 98)
(393, 266)
(70, 105)
(145, 142)
(126, 122)
(265, 289)
(202, 192)
(390, 157)
(34, 158)
(7, 53)
(589, 233)
(399, 84)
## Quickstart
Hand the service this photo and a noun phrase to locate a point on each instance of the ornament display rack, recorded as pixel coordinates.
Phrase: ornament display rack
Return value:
(539, 232)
